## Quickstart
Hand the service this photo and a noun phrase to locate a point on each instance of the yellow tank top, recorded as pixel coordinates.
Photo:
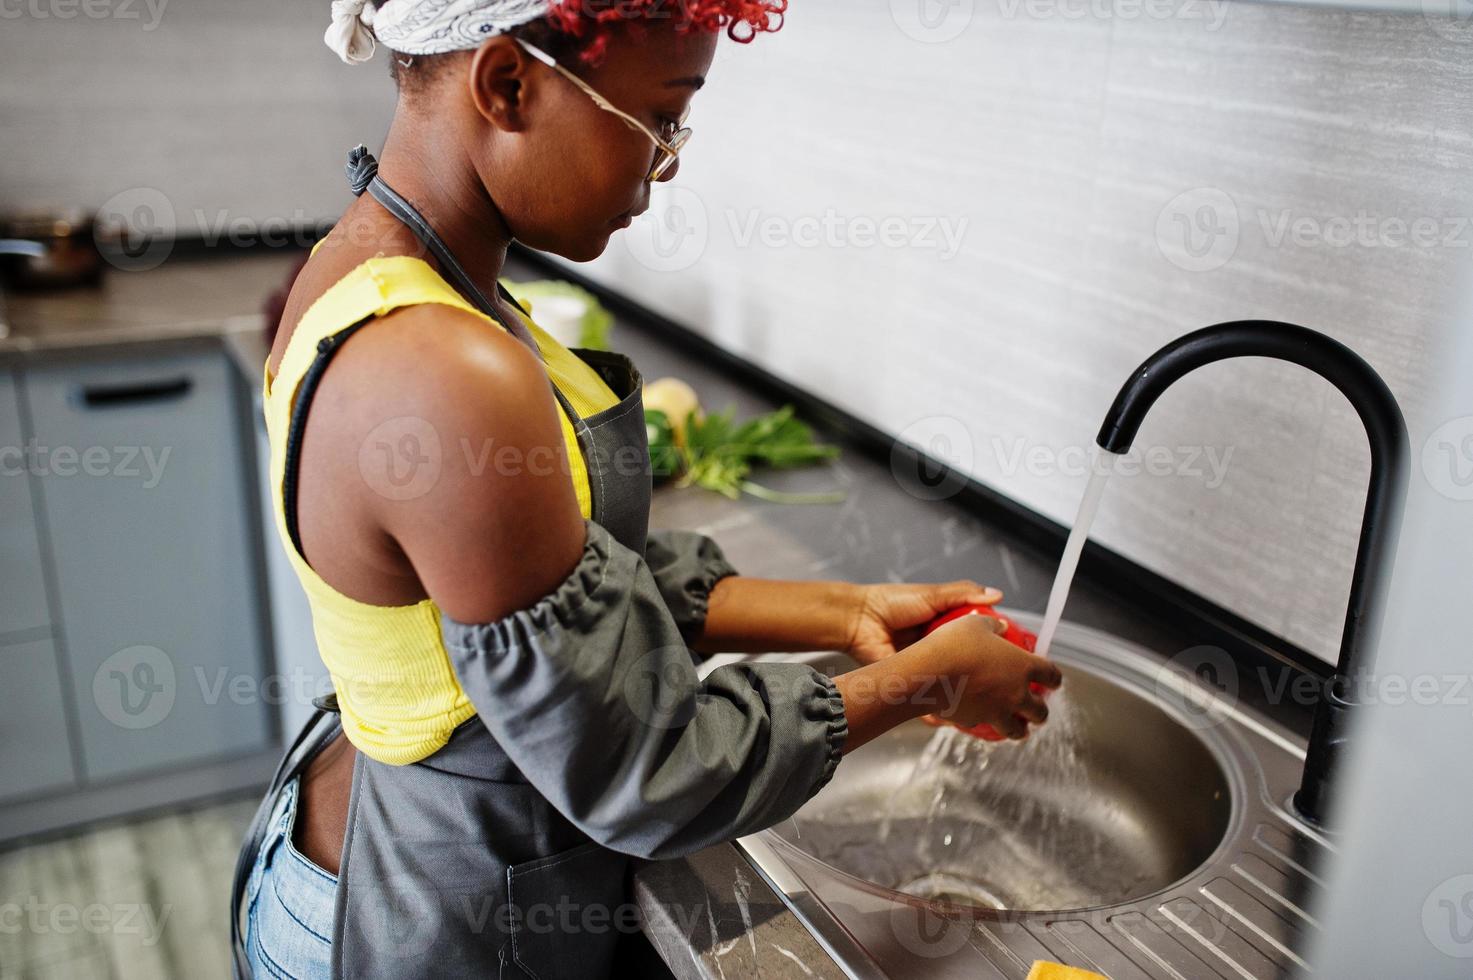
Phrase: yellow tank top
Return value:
(399, 697)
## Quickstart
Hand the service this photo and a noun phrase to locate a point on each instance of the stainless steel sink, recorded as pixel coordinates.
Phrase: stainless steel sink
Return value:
(1143, 832)
(1113, 800)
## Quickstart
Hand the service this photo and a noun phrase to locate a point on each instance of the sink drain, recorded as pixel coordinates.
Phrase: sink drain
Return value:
(940, 886)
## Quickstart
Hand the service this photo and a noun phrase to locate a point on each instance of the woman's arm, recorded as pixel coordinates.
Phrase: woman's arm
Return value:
(868, 622)
(562, 640)
(758, 615)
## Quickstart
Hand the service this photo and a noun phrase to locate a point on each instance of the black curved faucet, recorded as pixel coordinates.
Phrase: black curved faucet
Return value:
(1387, 431)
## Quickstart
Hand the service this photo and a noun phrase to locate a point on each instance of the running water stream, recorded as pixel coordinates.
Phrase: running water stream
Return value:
(991, 821)
(1103, 465)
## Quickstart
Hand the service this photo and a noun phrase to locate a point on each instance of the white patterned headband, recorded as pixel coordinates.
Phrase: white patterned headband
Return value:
(418, 27)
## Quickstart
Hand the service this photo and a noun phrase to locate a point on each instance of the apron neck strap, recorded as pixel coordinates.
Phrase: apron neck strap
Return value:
(362, 170)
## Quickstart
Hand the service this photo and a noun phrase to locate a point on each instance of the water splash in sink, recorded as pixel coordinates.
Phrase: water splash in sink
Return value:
(991, 824)
(1116, 798)
(1029, 787)
(1001, 811)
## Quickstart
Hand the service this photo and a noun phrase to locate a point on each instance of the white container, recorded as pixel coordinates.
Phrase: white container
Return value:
(561, 316)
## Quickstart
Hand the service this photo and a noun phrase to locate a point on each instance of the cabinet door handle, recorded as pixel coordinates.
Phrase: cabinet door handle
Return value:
(137, 393)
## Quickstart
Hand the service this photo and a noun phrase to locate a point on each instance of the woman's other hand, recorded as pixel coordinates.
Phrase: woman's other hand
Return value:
(890, 617)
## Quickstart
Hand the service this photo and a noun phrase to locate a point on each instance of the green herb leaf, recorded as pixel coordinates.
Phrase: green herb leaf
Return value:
(720, 453)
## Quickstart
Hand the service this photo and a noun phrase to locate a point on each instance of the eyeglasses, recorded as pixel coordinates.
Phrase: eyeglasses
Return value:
(667, 148)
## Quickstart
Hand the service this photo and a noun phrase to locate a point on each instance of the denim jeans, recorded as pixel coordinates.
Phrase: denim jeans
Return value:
(290, 912)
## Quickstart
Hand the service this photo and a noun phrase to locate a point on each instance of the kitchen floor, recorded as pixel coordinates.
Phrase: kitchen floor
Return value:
(144, 898)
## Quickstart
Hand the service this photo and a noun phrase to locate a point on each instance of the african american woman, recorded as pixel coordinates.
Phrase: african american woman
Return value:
(516, 710)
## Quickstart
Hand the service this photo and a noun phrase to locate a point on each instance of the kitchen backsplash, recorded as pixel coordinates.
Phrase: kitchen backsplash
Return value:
(221, 119)
(964, 222)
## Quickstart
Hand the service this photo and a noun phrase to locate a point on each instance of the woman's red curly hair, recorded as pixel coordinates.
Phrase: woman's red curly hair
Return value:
(592, 21)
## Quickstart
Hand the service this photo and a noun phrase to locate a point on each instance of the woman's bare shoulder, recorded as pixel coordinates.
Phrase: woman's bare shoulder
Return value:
(448, 429)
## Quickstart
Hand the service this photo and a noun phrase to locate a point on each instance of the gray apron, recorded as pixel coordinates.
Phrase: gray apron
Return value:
(456, 865)
(504, 853)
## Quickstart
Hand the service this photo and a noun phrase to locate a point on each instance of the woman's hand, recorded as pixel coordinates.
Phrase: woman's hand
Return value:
(999, 684)
(963, 673)
(892, 617)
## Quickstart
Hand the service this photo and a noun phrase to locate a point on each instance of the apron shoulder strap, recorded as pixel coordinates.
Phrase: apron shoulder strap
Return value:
(363, 175)
(362, 170)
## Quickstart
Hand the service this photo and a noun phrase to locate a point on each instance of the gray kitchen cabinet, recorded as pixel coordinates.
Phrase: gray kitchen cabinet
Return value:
(145, 508)
(35, 750)
(22, 580)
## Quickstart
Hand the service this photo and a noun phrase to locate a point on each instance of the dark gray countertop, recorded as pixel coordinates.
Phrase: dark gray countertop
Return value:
(711, 914)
